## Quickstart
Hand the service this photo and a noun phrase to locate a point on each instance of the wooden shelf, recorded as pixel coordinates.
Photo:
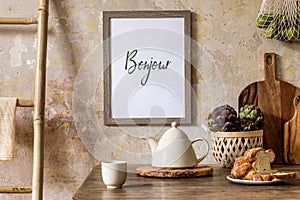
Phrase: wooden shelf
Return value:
(210, 187)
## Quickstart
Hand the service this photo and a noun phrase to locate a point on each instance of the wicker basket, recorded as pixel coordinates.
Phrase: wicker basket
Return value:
(230, 145)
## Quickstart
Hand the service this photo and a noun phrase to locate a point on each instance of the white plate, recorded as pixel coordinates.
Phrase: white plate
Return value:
(250, 182)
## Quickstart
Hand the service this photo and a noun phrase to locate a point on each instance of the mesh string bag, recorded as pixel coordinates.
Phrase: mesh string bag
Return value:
(280, 19)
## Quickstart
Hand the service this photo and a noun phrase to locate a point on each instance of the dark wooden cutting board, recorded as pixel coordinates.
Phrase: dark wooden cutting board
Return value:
(275, 98)
(292, 136)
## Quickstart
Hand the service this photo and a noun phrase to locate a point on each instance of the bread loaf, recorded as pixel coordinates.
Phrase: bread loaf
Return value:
(255, 164)
(284, 175)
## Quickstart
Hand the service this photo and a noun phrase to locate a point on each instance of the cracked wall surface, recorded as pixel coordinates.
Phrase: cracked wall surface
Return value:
(227, 56)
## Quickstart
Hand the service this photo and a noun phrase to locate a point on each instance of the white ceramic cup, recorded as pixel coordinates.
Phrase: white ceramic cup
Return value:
(114, 173)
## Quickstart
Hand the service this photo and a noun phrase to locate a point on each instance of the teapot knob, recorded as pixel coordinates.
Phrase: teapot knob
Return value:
(173, 124)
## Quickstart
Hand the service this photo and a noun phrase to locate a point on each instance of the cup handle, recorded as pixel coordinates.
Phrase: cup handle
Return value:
(207, 149)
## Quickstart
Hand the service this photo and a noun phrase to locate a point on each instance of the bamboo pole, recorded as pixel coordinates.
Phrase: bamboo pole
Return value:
(15, 189)
(18, 21)
(39, 102)
(25, 103)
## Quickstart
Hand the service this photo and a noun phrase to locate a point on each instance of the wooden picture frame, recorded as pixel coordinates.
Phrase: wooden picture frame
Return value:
(147, 70)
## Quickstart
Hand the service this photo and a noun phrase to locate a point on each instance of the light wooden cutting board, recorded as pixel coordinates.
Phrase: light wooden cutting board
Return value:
(292, 136)
(199, 171)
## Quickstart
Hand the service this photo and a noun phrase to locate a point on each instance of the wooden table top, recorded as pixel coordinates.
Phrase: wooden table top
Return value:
(210, 187)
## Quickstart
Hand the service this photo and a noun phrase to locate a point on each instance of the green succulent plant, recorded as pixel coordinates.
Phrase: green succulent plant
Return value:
(225, 119)
(251, 118)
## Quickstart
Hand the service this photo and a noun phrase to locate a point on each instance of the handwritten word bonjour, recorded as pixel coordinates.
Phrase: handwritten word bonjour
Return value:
(132, 65)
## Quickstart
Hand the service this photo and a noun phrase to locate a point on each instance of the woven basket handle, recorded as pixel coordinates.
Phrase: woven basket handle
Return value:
(207, 149)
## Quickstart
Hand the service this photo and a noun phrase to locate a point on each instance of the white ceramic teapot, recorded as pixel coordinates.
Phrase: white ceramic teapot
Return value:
(174, 150)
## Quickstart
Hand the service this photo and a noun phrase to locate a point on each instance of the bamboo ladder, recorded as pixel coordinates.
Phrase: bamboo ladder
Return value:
(39, 100)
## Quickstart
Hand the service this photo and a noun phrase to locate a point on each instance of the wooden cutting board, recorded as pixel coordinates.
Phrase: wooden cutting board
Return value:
(275, 98)
(199, 171)
(292, 136)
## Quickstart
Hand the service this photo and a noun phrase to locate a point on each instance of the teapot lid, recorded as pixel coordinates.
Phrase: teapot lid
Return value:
(174, 133)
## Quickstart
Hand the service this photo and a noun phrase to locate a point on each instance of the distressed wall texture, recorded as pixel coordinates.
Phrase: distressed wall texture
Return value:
(228, 55)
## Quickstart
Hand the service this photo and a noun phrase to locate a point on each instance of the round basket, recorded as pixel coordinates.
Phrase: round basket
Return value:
(230, 145)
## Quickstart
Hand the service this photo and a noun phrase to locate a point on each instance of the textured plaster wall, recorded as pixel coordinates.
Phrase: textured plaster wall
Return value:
(228, 55)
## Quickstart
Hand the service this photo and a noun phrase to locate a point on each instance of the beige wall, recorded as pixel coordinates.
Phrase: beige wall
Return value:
(228, 55)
